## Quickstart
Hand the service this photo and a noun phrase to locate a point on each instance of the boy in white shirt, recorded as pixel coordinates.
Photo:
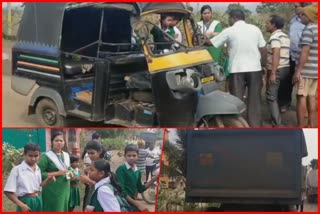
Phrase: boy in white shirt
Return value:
(24, 183)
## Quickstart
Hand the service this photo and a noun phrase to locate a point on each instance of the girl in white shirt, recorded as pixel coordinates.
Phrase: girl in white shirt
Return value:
(103, 199)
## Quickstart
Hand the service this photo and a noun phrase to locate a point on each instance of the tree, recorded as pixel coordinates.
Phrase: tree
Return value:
(176, 154)
(239, 7)
(283, 9)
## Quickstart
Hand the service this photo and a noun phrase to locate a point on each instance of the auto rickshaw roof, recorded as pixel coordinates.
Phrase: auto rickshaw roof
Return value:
(149, 8)
(41, 23)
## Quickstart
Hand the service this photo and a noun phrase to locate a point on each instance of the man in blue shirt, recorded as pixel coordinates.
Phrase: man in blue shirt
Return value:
(295, 32)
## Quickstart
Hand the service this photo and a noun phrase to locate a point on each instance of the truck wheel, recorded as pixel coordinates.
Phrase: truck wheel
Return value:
(223, 121)
(47, 113)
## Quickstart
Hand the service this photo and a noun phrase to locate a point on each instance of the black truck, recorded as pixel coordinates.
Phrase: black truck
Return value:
(253, 166)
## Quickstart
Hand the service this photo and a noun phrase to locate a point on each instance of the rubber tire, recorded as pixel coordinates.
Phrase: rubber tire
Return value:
(143, 96)
(45, 104)
(230, 121)
(146, 199)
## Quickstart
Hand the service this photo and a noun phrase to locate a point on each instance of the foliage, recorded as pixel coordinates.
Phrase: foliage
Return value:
(239, 7)
(275, 8)
(286, 10)
(118, 143)
(174, 200)
(10, 157)
(176, 154)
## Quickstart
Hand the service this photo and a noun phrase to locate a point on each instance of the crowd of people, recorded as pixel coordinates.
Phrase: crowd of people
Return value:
(50, 182)
(285, 61)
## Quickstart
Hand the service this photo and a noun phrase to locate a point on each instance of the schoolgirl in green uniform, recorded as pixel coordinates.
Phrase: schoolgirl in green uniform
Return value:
(74, 182)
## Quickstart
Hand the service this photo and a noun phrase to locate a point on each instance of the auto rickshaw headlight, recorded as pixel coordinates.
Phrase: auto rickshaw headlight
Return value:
(184, 80)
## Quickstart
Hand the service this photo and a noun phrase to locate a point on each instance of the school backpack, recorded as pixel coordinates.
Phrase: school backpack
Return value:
(124, 205)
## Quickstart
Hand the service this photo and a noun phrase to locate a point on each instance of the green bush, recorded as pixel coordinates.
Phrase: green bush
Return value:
(10, 157)
(118, 143)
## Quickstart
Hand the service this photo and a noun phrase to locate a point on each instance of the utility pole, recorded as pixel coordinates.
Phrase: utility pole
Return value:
(9, 19)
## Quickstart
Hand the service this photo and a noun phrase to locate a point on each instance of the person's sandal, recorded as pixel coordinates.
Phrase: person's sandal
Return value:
(284, 109)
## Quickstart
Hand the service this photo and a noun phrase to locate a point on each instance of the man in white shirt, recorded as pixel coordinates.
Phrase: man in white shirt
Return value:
(246, 45)
(153, 154)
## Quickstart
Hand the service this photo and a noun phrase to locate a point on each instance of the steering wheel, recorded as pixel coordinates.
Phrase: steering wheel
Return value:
(199, 36)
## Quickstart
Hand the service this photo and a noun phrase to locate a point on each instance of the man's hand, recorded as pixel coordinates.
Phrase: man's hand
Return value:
(25, 208)
(296, 77)
(272, 78)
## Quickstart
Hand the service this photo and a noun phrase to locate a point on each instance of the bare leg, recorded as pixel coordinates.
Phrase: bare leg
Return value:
(311, 110)
(301, 109)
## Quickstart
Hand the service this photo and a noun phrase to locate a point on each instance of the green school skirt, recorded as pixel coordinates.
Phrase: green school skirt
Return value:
(74, 197)
(34, 203)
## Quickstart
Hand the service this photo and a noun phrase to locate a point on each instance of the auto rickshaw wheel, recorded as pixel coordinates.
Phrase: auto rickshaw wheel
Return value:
(47, 113)
(223, 121)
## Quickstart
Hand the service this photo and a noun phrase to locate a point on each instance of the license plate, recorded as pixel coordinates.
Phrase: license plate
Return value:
(207, 79)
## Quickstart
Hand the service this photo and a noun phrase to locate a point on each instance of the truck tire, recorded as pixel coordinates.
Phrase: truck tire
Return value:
(233, 121)
(47, 113)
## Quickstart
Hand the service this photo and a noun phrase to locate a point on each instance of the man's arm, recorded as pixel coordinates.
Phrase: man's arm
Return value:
(262, 48)
(263, 52)
(275, 64)
(302, 61)
(220, 38)
(306, 42)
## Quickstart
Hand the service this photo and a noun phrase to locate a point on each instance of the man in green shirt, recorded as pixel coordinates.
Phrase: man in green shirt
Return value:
(129, 177)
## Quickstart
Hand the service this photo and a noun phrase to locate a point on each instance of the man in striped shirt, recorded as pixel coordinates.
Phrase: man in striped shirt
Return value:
(306, 75)
(278, 67)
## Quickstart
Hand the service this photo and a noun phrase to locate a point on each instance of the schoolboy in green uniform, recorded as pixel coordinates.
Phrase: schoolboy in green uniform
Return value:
(158, 36)
(24, 183)
(129, 177)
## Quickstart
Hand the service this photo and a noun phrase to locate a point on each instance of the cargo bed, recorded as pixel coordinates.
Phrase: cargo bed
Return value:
(260, 166)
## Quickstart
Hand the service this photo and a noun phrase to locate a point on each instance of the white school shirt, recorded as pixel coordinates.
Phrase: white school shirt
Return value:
(178, 34)
(135, 168)
(23, 180)
(244, 41)
(106, 197)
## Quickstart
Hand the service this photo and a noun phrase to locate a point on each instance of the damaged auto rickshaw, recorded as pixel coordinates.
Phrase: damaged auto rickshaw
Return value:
(82, 60)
